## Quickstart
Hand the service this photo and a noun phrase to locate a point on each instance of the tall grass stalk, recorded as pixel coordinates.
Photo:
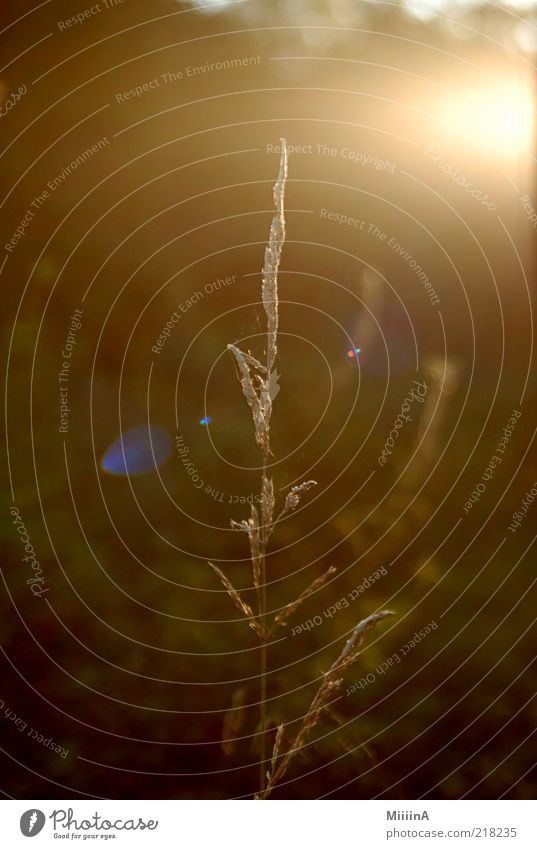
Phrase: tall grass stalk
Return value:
(258, 382)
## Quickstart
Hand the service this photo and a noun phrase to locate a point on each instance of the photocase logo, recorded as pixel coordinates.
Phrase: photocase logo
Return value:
(32, 822)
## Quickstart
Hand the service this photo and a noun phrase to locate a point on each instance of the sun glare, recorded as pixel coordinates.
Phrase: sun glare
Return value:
(498, 118)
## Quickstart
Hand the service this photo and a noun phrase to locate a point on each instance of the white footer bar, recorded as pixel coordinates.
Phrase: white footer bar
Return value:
(270, 825)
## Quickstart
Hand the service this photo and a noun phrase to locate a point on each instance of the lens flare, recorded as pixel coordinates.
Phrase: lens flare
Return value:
(138, 451)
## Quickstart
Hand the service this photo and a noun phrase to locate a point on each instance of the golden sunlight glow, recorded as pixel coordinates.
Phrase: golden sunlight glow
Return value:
(497, 118)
